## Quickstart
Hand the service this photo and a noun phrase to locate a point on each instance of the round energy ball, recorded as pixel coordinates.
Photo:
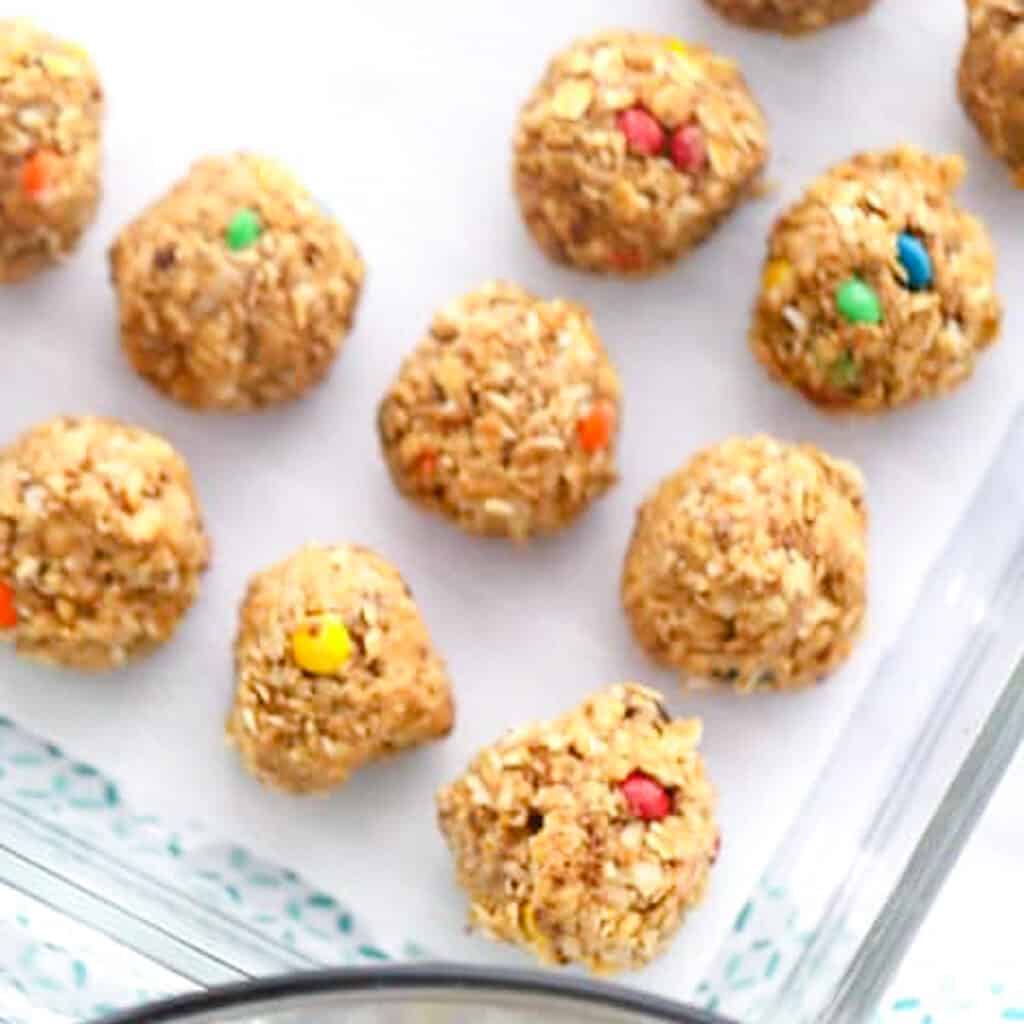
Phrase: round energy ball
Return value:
(747, 566)
(631, 150)
(334, 668)
(588, 838)
(101, 542)
(504, 417)
(236, 289)
(878, 289)
(51, 105)
(790, 16)
(992, 77)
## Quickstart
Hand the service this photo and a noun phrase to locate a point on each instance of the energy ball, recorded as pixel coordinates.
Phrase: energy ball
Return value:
(51, 105)
(504, 417)
(747, 566)
(334, 668)
(236, 289)
(878, 289)
(588, 838)
(631, 150)
(101, 542)
(992, 77)
(790, 16)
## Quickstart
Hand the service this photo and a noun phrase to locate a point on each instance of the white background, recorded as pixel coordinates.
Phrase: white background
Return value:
(399, 115)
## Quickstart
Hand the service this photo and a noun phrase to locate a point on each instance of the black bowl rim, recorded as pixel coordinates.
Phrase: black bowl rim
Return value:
(412, 978)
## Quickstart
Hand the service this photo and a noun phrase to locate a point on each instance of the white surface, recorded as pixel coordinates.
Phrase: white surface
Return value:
(399, 115)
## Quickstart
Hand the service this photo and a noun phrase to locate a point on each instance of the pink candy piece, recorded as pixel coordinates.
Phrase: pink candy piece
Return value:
(643, 133)
(689, 153)
(646, 797)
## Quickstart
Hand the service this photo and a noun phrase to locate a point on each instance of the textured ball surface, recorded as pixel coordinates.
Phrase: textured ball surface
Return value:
(748, 565)
(991, 77)
(51, 106)
(790, 16)
(878, 289)
(562, 855)
(236, 290)
(101, 541)
(306, 716)
(504, 417)
(632, 148)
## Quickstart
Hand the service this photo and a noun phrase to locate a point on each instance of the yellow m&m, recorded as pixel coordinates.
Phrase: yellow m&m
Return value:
(321, 645)
(778, 275)
(687, 55)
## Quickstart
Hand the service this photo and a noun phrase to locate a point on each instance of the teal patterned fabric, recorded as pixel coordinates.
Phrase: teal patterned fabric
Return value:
(767, 939)
(54, 968)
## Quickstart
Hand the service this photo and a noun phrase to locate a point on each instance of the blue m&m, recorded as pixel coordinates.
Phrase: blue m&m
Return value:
(916, 261)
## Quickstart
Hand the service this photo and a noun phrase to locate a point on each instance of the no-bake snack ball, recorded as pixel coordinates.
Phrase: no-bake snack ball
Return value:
(747, 566)
(334, 668)
(588, 838)
(992, 77)
(878, 289)
(101, 542)
(631, 150)
(51, 105)
(504, 417)
(790, 16)
(236, 289)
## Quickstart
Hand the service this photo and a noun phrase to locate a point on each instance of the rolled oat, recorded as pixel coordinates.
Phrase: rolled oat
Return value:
(790, 16)
(631, 150)
(992, 77)
(504, 418)
(747, 567)
(878, 289)
(562, 852)
(51, 106)
(101, 541)
(236, 290)
(334, 668)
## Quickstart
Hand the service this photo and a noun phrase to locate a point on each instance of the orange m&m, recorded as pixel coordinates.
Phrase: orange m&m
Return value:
(595, 429)
(8, 612)
(39, 171)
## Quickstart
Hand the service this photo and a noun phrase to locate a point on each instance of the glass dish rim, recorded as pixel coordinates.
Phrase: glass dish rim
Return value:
(413, 979)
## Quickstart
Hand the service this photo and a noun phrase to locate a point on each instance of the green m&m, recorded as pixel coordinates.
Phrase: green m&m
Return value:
(243, 229)
(844, 373)
(858, 302)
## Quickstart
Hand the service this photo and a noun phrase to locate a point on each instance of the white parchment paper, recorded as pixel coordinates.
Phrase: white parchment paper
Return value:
(399, 115)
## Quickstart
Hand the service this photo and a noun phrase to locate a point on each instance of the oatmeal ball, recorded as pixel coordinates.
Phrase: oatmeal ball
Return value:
(747, 566)
(51, 105)
(790, 16)
(236, 289)
(586, 839)
(504, 418)
(877, 288)
(101, 542)
(992, 77)
(632, 148)
(334, 668)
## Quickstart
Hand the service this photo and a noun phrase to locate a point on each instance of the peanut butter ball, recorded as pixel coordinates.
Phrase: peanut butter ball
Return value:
(101, 542)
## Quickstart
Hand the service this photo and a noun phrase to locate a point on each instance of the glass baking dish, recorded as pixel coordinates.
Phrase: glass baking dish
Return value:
(101, 907)
(135, 859)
